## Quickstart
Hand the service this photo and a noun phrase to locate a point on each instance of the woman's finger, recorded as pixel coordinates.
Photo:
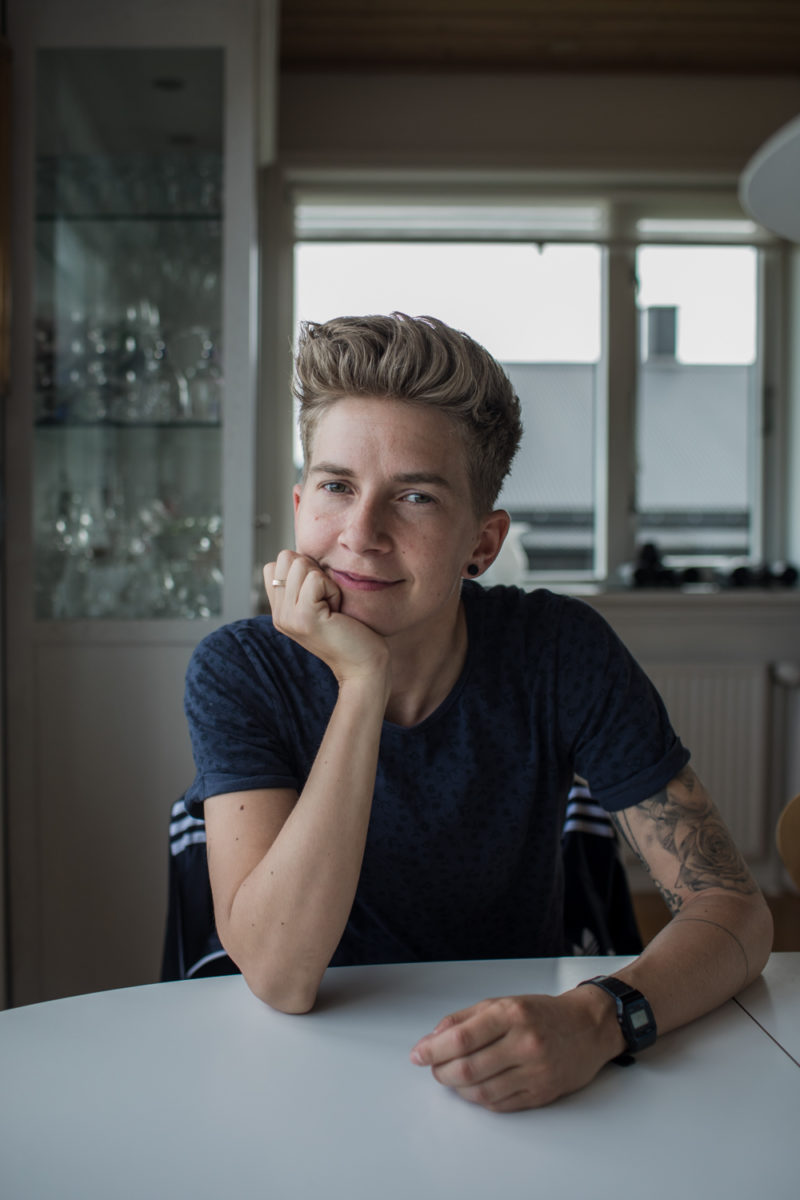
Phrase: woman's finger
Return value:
(460, 1034)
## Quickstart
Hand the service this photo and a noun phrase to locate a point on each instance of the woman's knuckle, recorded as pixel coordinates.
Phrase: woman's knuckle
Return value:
(515, 1009)
(465, 1072)
(460, 1040)
(530, 1046)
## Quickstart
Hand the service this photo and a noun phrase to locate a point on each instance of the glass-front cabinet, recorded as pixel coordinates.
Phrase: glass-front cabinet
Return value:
(129, 450)
(129, 353)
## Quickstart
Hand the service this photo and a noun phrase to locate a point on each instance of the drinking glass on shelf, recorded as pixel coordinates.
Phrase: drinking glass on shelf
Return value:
(193, 355)
(148, 388)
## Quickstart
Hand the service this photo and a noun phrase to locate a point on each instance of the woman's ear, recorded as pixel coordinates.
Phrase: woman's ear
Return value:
(493, 531)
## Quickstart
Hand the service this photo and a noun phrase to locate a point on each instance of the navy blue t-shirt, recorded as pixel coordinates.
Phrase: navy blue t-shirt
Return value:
(462, 859)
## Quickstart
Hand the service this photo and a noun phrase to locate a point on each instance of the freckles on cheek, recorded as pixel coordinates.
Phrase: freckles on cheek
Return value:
(312, 520)
(315, 533)
(324, 526)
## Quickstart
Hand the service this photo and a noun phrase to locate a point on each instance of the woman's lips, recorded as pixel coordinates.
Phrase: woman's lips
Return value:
(360, 583)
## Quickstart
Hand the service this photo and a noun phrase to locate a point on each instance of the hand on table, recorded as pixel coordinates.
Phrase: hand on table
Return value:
(306, 605)
(518, 1051)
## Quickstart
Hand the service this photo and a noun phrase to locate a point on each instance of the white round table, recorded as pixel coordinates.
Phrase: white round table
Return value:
(198, 1090)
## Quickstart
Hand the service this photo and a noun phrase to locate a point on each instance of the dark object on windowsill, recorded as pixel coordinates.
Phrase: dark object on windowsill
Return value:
(650, 572)
(648, 564)
(649, 555)
(661, 577)
(781, 575)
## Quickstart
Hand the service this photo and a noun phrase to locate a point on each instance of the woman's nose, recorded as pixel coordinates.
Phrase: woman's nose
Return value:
(365, 527)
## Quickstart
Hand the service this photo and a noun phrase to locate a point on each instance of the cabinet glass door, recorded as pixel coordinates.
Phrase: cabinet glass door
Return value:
(129, 381)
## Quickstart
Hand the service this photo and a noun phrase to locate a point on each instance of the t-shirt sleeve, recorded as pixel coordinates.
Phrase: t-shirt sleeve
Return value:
(234, 721)
(612, 718)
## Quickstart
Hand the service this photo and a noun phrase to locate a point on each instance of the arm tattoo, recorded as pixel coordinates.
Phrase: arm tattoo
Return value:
(623, 825)
(685, 823)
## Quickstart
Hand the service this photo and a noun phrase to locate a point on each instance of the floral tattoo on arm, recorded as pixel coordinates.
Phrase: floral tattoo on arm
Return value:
(685, 822)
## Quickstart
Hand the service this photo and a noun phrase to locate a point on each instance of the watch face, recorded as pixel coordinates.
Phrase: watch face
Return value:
(638, 1024)
(639, 1018)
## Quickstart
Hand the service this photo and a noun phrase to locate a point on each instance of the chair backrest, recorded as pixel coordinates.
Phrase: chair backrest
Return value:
(788, 838)
(599, 916)
(192, 949)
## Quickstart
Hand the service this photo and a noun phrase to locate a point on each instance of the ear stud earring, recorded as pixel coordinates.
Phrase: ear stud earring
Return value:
(473, 569)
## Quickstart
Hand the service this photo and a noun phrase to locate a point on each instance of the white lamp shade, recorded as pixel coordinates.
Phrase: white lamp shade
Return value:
(769, 188)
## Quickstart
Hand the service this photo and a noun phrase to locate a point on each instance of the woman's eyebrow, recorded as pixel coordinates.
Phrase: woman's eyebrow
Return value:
(328, 468)
(422, 477)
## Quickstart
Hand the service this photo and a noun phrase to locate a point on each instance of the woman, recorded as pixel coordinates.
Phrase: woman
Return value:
(383, 764)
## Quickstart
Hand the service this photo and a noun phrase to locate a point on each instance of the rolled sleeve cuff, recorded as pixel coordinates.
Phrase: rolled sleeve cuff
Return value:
(216, 783)
(647, 783)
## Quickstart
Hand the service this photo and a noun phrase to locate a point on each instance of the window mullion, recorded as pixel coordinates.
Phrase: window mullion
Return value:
(768, 442)
(615, 445)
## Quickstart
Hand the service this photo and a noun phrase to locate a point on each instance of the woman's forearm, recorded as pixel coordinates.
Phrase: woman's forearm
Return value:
(717, 944)
(289, 913)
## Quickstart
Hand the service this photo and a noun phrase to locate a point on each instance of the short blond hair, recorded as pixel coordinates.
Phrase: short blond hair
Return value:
(417, 360)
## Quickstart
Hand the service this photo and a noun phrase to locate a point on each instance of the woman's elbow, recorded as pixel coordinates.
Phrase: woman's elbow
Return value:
(754, 930)
(281, 992)
(271, 971)
(291, 1003)
(764, 935)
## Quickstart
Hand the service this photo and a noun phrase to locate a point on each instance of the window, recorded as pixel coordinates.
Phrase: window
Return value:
(534, 284)
(537, 308)
(698, 389)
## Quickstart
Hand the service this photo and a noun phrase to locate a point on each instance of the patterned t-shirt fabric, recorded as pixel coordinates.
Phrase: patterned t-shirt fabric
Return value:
(462, 859)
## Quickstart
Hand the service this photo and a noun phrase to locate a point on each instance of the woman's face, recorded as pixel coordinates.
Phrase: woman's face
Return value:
(385, 509)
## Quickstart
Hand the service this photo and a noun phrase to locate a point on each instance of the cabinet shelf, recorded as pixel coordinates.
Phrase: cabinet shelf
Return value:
(115, 218)
(176, 426)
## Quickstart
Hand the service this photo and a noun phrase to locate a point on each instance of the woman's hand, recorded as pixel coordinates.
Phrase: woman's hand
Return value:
(522, 1051)
(306, 606)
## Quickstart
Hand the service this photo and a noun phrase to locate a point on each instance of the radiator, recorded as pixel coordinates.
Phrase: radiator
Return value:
(721, 713)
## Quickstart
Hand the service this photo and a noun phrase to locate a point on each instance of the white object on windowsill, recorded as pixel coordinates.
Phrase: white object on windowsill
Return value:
(511, 564)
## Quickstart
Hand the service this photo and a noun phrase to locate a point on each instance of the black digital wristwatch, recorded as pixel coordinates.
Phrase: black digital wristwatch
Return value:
(634, 1014)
